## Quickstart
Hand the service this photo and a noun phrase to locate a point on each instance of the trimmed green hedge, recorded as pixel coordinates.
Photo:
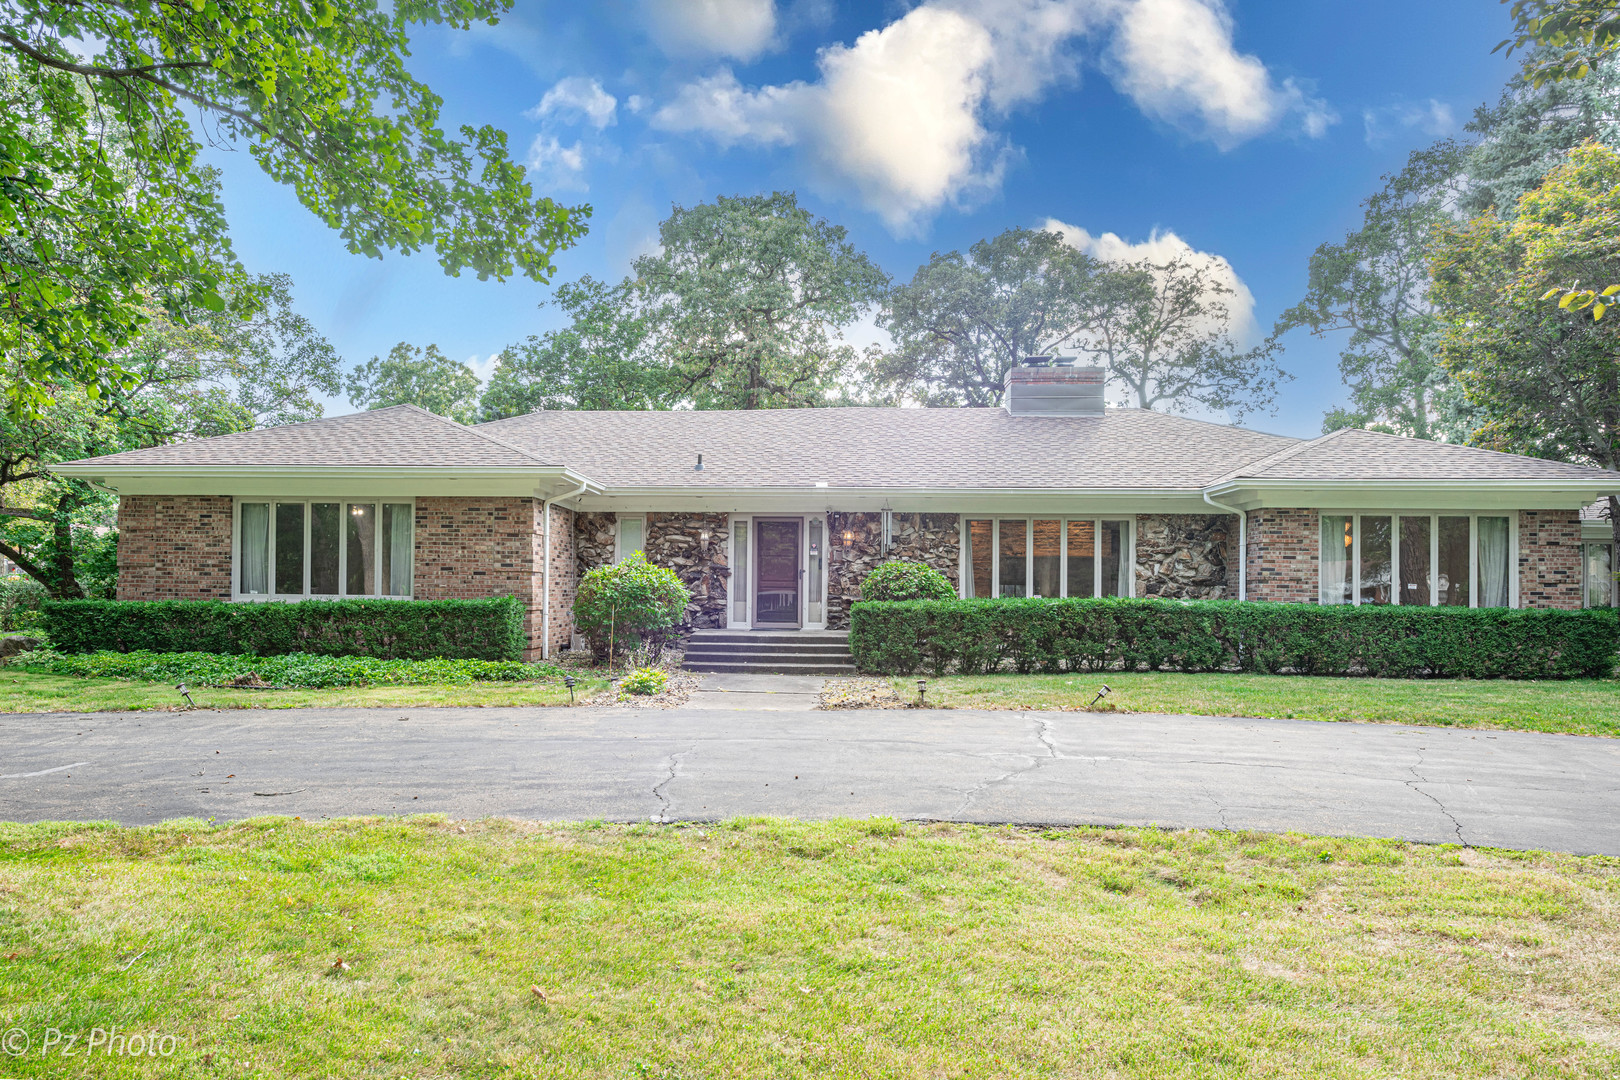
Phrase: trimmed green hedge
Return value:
(489, 629)
(977, 636)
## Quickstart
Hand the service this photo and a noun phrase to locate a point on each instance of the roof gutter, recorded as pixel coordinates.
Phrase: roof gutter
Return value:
(1243, 544)
(545, 598)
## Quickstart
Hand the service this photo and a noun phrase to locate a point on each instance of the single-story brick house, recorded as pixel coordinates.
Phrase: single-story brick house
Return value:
(773, 517)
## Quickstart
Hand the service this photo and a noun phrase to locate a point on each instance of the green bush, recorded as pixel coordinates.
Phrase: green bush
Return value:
(977, 636)
(489, 629)
(21, 598)
(296, 669)
(630, 607)
(643, 680)
(897, 580)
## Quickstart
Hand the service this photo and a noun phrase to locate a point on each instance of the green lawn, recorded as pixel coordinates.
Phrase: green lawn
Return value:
(22, 691)
(779, 949)
(1576, 706)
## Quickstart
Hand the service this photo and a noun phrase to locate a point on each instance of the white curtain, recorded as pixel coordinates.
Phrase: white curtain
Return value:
(255, 554)
(1335, 559)
(1493, 562)
(400, 551)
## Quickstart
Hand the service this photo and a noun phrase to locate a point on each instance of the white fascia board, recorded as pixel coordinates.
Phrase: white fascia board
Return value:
(1410, 494)
(1020, 502)
(312, 480)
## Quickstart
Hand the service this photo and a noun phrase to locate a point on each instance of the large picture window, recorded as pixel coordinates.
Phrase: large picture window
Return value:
(294, 548)
(1047, 557)
(1421, 560)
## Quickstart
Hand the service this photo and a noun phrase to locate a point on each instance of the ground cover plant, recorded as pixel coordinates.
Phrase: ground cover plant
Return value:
(296, 670)
(1571, 706)
(423, 947)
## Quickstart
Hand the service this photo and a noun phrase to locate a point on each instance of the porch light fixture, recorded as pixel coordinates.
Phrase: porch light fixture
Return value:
(849, 537)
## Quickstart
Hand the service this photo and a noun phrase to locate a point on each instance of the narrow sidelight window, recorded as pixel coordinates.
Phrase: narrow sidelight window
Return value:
(1600, 584)
(290, 548)
(1082, 558)
(739, 572)
(255, 561)
(981, 560)
(1014, 553)
(1338, 548)
(1414, 561)
(1452, 572)
(1376, 543)
(1048, 558)
(630, 538)
(397, 550)
(325, 525)
(1493, 561)
(1116, 564)
(814, 556)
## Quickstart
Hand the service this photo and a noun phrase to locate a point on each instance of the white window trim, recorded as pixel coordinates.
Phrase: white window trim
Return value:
(343, 549)
(619, 554)
(965, 573)
(1434, 554)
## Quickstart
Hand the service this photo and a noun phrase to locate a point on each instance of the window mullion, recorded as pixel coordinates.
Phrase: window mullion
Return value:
(1029, 557)
(995, 558)
(1096, 556)
(1355, 560)
(1063, 557)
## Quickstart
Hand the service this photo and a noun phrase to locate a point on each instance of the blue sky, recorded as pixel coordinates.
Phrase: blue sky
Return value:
(1248, 130)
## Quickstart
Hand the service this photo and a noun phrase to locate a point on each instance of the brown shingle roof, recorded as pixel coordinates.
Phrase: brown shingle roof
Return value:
(1357, 454)
(887, 448)
(403, 435)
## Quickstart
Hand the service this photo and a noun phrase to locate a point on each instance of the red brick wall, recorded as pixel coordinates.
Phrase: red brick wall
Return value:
(467, 548)
(564, 574)
(1550, 558)
(174, 547)
(1284, 547)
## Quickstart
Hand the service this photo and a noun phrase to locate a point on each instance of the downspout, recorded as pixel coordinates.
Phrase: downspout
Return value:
(545, 601)
(1243, 544)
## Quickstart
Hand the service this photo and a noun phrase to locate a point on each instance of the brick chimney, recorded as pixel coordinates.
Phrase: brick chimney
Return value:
(1038, 387)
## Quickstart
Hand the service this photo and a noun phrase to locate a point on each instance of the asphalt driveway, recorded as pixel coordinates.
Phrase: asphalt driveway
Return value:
(1505, 789)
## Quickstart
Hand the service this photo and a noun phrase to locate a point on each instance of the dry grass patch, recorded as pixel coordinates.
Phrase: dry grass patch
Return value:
(786, 949)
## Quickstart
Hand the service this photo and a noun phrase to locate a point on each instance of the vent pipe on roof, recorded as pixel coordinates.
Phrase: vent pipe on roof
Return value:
(1038, 388)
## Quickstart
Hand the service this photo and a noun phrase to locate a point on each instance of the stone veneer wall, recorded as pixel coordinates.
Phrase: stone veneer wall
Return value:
(174, 547)
(1550, 558)
(676, 541)
(1185, 556)
(934, 539)
(595, 538)
(1283, 551)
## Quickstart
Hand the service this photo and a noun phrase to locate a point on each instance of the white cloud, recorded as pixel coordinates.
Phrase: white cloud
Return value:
(1162, 247)
(576, 99)
(483, 366)
(1177, 61)
(739, 29)
(1433, 118)
(557, 166)
(903, 118)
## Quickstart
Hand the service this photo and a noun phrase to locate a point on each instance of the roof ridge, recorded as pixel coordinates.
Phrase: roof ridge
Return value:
(1278, 456)
(472, 429)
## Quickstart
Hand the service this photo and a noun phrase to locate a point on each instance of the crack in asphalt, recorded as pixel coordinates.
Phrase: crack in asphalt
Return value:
(1043, 735)
(1220, 810)
(662, 817)
(1420, 779)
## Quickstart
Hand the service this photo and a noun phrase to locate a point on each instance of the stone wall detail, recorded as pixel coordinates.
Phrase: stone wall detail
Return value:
(595, 539)
(934, 539)
(174, 547)
(694, 546)
(1550, 559)
(1185, 556)
(1284, 550)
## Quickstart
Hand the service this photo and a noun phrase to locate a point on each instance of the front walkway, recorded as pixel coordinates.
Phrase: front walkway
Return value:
(1503, 788)
(776, 693)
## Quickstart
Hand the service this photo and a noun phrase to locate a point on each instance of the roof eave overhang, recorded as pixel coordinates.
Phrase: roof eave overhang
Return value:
(1440, 494)
(404, 481)
(905, 499)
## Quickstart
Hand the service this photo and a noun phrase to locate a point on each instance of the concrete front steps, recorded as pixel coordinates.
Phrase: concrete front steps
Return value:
(770, 652)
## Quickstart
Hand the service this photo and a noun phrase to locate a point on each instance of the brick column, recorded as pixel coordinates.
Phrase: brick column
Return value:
(174, 547)
(1550, 558)
(1284, 549)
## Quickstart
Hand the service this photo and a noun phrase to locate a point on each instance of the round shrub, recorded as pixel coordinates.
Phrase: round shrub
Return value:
(631, 606)
(896, 580)
(643, 680)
